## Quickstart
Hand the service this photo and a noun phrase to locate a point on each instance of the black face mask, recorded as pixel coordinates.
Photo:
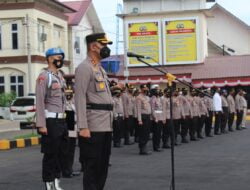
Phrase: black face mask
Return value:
(60, 65)
(69, 97)
(105, 52)
(145, 92)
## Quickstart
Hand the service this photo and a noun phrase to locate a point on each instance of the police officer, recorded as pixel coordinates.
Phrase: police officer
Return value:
(203, 114)
(143, 116)
(50, 117)
(209, 118)
(187, 115)
(118, 116)
(177, 115)
(157, 116)
(166, 110)
(231, 109)
(224, 117)
(195, 114)
(94, 106)
(68, 159)
(128, 104)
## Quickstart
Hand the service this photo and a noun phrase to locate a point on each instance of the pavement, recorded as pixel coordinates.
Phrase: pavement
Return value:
(219, 163)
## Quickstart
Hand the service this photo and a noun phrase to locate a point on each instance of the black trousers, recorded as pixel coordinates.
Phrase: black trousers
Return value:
(95, 154)
(230, 120)
(201, 122)
(136, 127)
(128, 129)
(239, 118)
(224, 118)
(185, 125)
(54, 145)
(166, 132)
(118, 130)
(217, 124)
(177, 128)
(144, 131)
(67, 160)
(157, 132)
(194, 125)
(208, 123)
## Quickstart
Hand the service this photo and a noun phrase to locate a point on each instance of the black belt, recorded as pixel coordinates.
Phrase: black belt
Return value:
(107, 107)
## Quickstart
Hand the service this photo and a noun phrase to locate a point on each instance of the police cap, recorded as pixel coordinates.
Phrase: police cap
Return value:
(98, 37)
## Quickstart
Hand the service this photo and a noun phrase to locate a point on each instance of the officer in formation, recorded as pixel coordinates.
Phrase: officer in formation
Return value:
(191, 112)
(50, 118)
(94, 109)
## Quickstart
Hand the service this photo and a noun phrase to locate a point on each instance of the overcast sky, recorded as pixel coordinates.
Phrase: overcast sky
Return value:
(107, 9)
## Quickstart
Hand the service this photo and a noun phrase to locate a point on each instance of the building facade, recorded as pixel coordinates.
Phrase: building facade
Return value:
(44, 24)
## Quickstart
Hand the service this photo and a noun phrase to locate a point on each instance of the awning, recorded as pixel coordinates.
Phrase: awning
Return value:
(150, 79)
(221, 82)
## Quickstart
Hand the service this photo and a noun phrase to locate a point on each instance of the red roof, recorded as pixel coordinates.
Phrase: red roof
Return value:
(213, 68)
(81, 7)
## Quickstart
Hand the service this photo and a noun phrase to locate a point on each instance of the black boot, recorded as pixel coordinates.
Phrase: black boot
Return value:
(184, 140)
(144, 151)
(165, 145)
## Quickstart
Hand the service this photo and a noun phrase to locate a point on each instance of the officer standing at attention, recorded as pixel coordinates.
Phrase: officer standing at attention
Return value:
(118, 116)
(50, 117)
(158, 117)
(143, 116)
(94, 108)
(231, 109)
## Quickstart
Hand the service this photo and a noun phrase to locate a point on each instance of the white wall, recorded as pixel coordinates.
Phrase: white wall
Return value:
(81, 31)
(225, 30)
(163, 5)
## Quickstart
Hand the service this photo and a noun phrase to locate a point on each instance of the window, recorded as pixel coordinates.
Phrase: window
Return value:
(0, 37)
(14, 29)
(24, 102)
(16, 85)
(77, 45)
(2, 89)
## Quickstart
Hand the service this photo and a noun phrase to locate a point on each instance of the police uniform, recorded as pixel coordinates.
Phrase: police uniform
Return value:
(143, 115)
(158, 118)
(118, 118)
(231, 110)
(177, 116)
(94, 106)
(195, 118)
(68, 159)
(203, 115)
(187, 115)
(239, 111)
(129, 102)
(50, 104)
(209, 118)
(128, 105)
(224, 117)
(166, 128)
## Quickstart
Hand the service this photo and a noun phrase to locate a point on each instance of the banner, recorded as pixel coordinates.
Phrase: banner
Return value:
(143, 39)
(180, 41)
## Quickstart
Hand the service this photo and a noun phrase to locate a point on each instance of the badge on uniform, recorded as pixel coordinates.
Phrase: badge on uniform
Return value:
(55, 85)
(102, 85)
(41, 79)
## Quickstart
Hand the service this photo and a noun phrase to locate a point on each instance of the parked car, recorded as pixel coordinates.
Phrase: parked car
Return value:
(23, 109)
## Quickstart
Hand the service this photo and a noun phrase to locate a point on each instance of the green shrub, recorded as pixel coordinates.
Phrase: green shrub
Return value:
(6, 99)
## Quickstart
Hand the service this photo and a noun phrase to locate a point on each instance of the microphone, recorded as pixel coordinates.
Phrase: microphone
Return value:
(131, 54)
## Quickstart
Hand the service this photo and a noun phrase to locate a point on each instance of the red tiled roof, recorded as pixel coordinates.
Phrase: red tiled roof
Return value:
(80, 7)
(214, 67)
(223, 66)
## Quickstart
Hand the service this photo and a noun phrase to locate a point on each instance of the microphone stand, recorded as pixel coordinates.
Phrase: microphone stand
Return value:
(171, 78)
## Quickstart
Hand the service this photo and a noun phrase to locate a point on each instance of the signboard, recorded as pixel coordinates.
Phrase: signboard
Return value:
(180, 41)
(144, 39)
